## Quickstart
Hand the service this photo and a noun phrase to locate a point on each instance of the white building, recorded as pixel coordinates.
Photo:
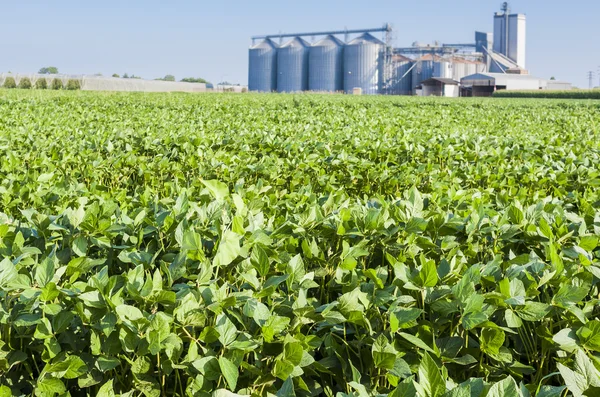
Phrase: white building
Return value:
(485, 84)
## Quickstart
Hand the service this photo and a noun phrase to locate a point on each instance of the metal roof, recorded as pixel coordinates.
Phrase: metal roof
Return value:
(496, 78)
(365, 38)
(296, 42)
(329, 41)
(442, 80)
(266, 43)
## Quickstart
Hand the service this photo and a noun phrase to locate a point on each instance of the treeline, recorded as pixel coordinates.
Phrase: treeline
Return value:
(42, 84)
(566, 94)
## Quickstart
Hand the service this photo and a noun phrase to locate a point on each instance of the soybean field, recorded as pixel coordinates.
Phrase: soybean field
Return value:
(298, 245)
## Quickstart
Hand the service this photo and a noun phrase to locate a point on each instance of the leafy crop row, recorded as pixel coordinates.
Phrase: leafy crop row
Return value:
(568, 94)
(298, 245)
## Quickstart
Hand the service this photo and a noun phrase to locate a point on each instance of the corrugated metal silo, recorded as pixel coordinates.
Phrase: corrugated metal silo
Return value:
(442, 68)
(262, 67)
(292, 66)
(401, 79)
(325, 65)
(423, 70)
(363, 64)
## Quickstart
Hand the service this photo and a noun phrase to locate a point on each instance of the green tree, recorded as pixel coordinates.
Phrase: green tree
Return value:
(73, 85)
(194, 80)
(41, 84)
(49, 70)
(56, 84)
(125, 76)
(10, 83)
(25, 83)
(115, 75)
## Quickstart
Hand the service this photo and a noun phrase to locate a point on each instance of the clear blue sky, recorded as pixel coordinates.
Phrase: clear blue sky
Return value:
(152, 38)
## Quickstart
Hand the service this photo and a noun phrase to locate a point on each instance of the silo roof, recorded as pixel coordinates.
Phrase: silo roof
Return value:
(400, 58)
(365, 38)
(431, 57)
(329, 41)
(296, 42)
(266, 43)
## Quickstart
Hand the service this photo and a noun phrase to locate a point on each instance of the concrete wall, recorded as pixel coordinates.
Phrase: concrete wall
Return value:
(451, 91)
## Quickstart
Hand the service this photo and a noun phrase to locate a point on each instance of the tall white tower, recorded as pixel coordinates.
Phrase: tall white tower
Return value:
(510, 35)
(517, 24)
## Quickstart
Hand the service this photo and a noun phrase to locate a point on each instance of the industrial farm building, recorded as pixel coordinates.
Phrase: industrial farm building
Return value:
(373, 66)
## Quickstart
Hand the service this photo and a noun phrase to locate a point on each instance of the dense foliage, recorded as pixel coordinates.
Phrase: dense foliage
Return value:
(41, 84)
(56, 84)
(178, 244)
(9, 82)
(25, 83)
(570, 94)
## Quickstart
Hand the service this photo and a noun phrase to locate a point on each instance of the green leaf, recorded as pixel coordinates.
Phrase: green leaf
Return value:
(5, 391)
(43, 330)
(79, 246)
(44, 271)
(589, 335)
(287, 389)
(417, 342)
(384, 354)
(569, 295)
(428, 276)
(403, 318)
(226, 329)
(576, 383)
(515, 215)
(405, 389)
(129, 313)
(567, 340)
(551, 391)
(217, 189)
(505, 388)
(8, 272)
(106, 390)
(229, 249)
(51, 385)
(229, 371)
(260, 260)
(191, 241)
(460, 391)
(430, 378)
(293, 353)
(533, 311)
(491, 340)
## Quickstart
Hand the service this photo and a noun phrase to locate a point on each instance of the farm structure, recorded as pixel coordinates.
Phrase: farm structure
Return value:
(340, 61)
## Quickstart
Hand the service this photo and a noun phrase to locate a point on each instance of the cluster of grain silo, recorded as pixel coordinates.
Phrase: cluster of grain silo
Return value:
(375, 67)
(400, 78)
(328, 65)
(262, 67)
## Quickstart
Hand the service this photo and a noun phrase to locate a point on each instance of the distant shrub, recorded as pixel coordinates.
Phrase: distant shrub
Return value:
(41, 84)
(244, 90)
(568, 94)
(25, 83)
(73, 85)
(56, 84)
(10, 83)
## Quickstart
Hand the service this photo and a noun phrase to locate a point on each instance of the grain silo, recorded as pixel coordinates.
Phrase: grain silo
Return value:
(424, 69)
(462, 67)
(325, 65)
(400, 79)
(363, 64)
(292, 66)
(262, 67)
